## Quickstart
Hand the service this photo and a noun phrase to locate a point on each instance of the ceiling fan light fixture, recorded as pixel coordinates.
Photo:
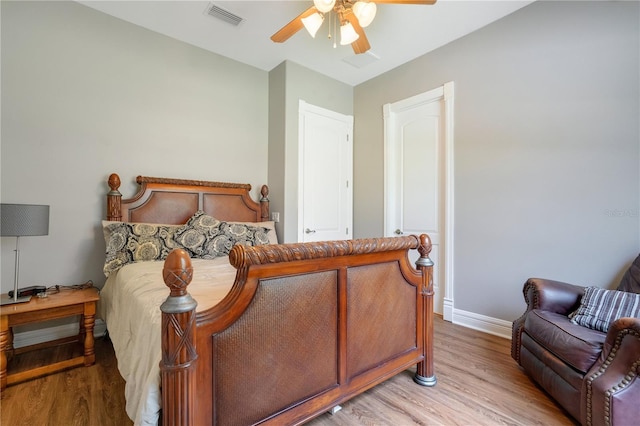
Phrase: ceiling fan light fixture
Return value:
(348, 34)
(324, 6)
(365, 12)
(312, 23)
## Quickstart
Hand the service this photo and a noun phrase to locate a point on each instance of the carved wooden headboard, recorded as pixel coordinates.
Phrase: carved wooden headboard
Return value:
(174, 201)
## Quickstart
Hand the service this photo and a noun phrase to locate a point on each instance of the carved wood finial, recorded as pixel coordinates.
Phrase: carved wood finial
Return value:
(177, 272)
(114, 182)
(425, 245)
(114, 198)
(264, 203)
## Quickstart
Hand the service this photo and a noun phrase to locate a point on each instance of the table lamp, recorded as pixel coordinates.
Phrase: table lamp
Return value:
(21, 220)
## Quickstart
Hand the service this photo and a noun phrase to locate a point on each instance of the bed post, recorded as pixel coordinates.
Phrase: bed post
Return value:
(264, 203)
(178, 365)
(114, 199)
(425, 375)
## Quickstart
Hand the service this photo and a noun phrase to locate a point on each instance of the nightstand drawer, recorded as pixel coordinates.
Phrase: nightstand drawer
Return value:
(45, 315)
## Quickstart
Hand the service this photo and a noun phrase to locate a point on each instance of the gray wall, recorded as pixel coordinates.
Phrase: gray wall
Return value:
(546, 149)
(277, 139)
(85, 95)
(290, 83)
(546, 154)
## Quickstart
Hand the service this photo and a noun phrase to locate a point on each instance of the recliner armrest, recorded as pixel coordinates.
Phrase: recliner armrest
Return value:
(611, 388)
(548, 295)
(554, 296)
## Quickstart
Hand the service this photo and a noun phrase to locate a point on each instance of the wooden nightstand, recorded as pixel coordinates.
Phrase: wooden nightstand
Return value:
(66, 303)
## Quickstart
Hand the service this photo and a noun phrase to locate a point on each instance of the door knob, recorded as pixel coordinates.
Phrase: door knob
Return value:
(310, 231)
(398, 232)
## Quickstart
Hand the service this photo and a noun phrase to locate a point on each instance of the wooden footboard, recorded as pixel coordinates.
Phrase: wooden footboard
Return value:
(305, 327)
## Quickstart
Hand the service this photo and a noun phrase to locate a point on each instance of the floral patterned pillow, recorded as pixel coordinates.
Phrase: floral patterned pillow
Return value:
(198, 236)
(203, 237)
(206, 237)
(245, 234)
(136, 242)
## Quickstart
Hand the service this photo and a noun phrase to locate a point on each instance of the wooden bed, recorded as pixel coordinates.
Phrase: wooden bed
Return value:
(305, 326)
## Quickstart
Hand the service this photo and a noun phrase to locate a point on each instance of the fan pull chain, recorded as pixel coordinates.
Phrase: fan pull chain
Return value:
(335, 25)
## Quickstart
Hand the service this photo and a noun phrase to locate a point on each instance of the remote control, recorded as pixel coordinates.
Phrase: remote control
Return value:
(29, 291)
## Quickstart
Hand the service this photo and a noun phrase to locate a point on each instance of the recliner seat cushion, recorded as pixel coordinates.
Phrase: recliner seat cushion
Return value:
(576, 345)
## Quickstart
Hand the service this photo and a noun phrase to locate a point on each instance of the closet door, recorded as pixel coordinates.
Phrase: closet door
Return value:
(326, 167)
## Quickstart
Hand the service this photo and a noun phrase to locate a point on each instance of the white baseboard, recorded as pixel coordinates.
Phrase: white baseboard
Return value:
(483, 323)
(447, 309)
(33, 337)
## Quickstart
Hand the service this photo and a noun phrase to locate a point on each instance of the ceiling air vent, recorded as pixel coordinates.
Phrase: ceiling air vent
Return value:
(362, 59)
(225, 15)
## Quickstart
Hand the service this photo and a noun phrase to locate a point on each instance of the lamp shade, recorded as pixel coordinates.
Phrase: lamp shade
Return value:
(18, 220)
(324, 6)
(312, 23)
(365, 12)
(348, 34)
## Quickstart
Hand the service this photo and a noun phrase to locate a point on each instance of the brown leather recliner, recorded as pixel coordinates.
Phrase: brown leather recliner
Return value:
(593, 375)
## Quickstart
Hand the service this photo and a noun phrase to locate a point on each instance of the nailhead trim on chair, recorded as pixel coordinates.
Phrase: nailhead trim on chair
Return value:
(536, 295)
(620, 386)
(520, 320)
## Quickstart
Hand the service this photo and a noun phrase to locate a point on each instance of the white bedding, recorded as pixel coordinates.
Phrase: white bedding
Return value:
(130, 306)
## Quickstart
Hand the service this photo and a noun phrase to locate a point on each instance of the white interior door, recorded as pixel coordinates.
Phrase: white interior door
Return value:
(326, 160)
(416, 180)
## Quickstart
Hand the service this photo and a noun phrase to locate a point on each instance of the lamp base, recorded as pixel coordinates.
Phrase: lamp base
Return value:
(6, 300)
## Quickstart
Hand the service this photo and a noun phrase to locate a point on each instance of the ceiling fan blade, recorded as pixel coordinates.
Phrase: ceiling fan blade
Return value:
(404, 1)
(361, 45)
(292, 27)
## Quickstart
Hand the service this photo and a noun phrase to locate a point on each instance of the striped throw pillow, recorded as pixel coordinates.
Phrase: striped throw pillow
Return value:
(599, 308)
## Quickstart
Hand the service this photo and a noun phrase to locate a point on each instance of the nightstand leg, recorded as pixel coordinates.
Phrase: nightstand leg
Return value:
(4, 340)
(10, 350)
(88, 322)
(82, 332)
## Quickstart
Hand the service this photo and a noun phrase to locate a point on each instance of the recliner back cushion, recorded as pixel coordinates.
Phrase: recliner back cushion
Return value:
(631, 279)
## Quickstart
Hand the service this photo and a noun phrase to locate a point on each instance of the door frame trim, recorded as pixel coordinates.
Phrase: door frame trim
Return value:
(446, 94)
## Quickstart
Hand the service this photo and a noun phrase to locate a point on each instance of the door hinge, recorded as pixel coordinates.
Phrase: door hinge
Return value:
(347, 184)
(347, 231)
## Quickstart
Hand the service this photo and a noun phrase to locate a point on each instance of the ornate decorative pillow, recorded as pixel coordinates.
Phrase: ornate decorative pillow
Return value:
(600, 307)
(203, 237)
(198, 235)
(270, 225)
(136, 242)
(245, 234)
(206, 237)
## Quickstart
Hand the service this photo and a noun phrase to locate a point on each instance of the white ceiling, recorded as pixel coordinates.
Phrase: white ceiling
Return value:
(399, 33)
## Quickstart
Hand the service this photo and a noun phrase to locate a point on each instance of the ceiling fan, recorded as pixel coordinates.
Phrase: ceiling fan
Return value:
(352, 16)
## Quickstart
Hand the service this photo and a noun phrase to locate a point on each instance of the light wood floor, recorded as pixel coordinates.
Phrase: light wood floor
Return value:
(478, 384)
